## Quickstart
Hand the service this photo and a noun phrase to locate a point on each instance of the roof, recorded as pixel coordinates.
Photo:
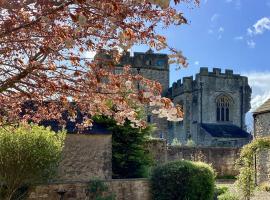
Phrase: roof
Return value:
(71, 127)
(265, 107)
(225, 131)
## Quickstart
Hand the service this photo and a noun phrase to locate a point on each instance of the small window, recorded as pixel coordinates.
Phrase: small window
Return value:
(149, 118)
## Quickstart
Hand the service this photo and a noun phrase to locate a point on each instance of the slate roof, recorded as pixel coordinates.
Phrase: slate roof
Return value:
(71, 128)
(225, 131)
(265, 107)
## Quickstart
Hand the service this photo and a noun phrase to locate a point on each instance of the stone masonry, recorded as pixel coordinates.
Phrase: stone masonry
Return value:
(128, 189)
(212, 98)
(86, 157)
(262, 129)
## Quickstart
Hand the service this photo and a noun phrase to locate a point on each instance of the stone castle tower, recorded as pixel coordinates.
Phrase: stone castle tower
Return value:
(215, 105)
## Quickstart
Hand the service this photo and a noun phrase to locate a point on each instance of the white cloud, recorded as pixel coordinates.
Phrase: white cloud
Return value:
(251, 44)
(196, 63)
(221, 29)
(259, 82)
(238, 38)
(90, 54)
(237, 3)
(214, 17)
(210, 31)
(260, 26)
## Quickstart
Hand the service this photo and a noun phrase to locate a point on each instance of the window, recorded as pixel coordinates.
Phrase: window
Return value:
(149, 118)
(223, 109)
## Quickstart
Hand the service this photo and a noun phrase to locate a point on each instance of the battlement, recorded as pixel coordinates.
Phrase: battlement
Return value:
(147, 60)
(217, 72)
(188, 84)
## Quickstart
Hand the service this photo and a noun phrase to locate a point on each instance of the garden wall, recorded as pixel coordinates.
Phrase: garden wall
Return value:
(124, 189)
(85, 157)
(222, 158)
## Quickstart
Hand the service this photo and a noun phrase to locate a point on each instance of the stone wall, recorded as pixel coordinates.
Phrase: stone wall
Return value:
(131, 189)
(222, 158)
(85, 157)
(262, 129)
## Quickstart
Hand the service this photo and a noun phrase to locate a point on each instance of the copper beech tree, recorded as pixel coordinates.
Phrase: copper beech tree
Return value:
(43, 48)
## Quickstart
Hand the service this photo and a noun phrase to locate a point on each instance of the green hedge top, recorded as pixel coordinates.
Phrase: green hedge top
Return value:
(182, 180)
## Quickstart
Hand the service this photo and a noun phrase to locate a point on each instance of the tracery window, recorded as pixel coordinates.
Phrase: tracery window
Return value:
(223, 109)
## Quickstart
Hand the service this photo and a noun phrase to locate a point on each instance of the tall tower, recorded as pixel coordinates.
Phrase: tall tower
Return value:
(153, 66)
(215, 105)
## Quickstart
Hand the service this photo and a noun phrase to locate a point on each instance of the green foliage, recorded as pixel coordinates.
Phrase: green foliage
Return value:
(130, 159)
(245, 163)
(176, 142)
(190, 143)
(221, 190)
(28, 154)
(265, 186)
(181, 180)
(228, 196)
(97, 189)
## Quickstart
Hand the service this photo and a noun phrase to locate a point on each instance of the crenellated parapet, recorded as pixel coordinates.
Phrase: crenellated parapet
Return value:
(188, 84)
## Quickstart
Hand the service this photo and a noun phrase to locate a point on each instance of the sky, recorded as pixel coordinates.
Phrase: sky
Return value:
(229, 34)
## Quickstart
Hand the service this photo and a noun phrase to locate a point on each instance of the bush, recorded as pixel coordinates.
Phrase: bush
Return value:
(176, 142)
(228, 196)
(96, 189)
(221, 190)
(265, 186)
(181, 180)
(28, 154)
(130, 158)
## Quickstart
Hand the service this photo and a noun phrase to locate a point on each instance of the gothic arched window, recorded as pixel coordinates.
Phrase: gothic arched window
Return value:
(223, 109)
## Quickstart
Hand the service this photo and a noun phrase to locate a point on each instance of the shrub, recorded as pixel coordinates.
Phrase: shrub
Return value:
(265, 186)
(130, 158)
(228, 196)
(190, 143)
(96, 189)
(28, 154)
(180, 180)
(221, 190)
(176, 142)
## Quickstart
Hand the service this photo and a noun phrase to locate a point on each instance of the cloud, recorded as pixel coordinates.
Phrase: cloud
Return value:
(259, 82)
(210, 31)
(238, 38)
(90, 54)
(196, 63)
(260, 26)
(221, 29)
(251, 44)
(214, 17)
(237, 3)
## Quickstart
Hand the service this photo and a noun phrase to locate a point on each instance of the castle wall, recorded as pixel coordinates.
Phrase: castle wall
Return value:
(262, 129)
(198, 97)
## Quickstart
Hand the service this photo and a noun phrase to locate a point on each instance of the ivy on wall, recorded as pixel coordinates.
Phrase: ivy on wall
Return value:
(246, 178)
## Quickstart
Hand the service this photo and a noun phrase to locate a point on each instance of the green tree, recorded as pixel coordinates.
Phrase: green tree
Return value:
(28, 154)
(130, 158)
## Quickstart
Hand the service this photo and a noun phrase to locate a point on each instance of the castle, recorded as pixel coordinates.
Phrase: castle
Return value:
(214, 103)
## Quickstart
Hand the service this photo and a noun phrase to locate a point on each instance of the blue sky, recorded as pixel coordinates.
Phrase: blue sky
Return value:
(232, 34)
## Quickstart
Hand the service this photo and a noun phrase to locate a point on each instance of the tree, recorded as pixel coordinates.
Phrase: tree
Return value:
(130, 157)
(28, 154)
(43, 57)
